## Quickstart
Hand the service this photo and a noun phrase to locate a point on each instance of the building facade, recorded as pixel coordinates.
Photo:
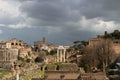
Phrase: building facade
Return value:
(14, 43)
(43, 45)
(115, 44)
(8, 57)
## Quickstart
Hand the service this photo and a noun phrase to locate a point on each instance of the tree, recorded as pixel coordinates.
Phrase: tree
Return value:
(80, 44)
(42, 54)
(76, 42)
(28, 60)
(19, 57)
(45, 52)
(84, 43)
(104, 52)
(89, 59)
(99, 54)
(116, 34)
(52, 52)
(39, 59)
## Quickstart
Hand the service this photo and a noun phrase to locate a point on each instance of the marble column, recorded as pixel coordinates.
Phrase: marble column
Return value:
(64, 54)
(60, 55)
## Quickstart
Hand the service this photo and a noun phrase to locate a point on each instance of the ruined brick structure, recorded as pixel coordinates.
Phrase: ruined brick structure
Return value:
(14, 43)
(115, 44)
(67, 71)
(10, 49)
(8, 57)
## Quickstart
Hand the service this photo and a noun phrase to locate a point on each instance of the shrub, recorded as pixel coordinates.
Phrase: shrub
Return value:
(39, 59)
(28, 60)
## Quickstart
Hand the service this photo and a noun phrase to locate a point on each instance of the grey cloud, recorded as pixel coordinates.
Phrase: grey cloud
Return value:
(111, 5)
(66, 15)
(106, 9)
(50, 13)
(45, 10)
(59, 12)
(9, 20)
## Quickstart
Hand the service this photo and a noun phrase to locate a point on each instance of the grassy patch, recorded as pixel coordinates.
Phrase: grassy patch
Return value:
(33, 74)
(3, 72)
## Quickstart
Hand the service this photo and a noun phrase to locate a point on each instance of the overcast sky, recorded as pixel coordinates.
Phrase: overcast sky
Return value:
(60, 21)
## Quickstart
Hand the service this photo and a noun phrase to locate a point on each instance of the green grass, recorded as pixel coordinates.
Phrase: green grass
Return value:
(33, 74)
(3, 72)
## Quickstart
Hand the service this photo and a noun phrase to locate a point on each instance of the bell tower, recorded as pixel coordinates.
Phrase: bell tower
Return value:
(43, 40)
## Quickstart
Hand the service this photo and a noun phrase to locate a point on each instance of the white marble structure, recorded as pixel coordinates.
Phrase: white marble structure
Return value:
(61, 54)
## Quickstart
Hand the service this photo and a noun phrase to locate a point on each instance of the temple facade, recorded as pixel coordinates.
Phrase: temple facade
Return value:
(61, 52)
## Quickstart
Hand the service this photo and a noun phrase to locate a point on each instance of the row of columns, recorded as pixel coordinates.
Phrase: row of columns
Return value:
(61, 54)
(7, 56)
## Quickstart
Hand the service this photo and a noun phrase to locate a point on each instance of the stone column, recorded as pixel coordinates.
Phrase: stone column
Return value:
(64, 54)
(58, 55)
(4, 56)
(61, 54)
(17, 76)
(10, 57)
(17, 73)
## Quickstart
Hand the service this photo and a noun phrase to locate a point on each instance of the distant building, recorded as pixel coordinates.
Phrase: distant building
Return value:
(43, 45)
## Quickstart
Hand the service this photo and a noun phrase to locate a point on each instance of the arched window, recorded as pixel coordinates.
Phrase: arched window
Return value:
(12, 43)
(16, 43)
(19, 44)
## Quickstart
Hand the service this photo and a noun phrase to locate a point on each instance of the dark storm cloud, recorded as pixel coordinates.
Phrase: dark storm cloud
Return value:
(50, 12)
(106, 9)
(68, 20)
(59, 12)
(111, 5)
